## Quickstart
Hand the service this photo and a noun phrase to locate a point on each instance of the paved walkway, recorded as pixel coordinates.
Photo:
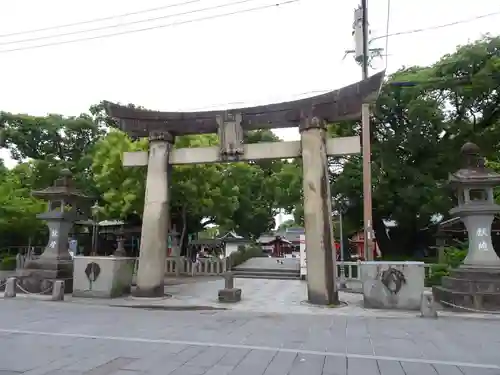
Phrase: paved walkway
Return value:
(286, 264)
(58, 338)
(259, 296)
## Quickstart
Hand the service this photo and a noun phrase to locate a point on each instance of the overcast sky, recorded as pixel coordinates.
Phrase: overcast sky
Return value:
(262, 56)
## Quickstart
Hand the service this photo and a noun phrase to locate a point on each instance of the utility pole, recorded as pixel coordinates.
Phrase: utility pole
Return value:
(362, 53)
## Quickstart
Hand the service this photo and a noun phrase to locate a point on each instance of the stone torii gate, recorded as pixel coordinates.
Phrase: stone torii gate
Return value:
(310, 115)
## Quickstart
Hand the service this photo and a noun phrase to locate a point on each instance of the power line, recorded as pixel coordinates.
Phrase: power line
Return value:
(436, 27)
(173, 24)
(128, 23)
(387, 33)
(95, 20)
(446, 82)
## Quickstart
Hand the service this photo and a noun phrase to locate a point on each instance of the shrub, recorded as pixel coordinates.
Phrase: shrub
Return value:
(243, 254)
(437, 271)
(8, 264)
(454, 256)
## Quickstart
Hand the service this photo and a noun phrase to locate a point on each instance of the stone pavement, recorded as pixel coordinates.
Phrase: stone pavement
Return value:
(291, 264)
(58, 338)
(259, 296)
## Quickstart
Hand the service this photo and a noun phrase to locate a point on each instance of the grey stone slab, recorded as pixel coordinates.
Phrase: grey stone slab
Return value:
(335, 366)
(189, 370)
(413, 368)
(14, 358)
(173, 361)
(361, 366)
(404, 348)
(479, 371)
(390, 368)
(208, 358)
(447, 370)
(88, 363)
(281, 364)
(233, 357)
(52, 366)
(308, 364)
(188, 353)
(111, 366)
(255, 363)
(219, 370)
(150, 361)
(359, 345)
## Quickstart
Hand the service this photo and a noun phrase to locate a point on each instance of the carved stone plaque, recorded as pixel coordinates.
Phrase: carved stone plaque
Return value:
(230, 136)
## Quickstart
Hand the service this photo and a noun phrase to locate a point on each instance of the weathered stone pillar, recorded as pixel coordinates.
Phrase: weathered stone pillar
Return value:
(321, 285)
(481, 252)
(154, 234)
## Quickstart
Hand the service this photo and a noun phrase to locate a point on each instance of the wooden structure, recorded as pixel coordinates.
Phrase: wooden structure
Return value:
(311, 116)
(279, 246)
(358, 242)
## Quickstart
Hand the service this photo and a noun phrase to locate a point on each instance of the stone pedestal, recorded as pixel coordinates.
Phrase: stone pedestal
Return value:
(470, 288)
(55, 262)
(476, 284)
(102, 277)
(229, 294)
(392, 285)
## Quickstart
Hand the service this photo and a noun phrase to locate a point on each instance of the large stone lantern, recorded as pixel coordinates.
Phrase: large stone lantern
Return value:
(55, 262)
(476, 283)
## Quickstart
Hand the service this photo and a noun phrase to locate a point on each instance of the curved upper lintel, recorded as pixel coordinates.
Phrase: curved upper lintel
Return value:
(338, 105)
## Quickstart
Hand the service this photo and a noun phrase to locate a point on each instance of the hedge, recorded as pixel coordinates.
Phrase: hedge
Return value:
(243, 254)
(8, 264)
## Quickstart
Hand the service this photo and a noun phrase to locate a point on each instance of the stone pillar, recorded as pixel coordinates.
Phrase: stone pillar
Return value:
(481, 252)
(154, 234)
(59, 228)
(321, 285)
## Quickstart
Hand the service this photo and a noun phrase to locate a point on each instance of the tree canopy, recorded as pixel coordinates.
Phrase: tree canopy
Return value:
(419, 122)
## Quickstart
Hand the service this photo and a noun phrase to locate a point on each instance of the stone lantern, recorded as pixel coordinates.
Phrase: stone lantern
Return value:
(55, 262)
(476, 283)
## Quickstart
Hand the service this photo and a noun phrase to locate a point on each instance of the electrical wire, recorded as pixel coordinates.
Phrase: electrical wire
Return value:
(147, 20)
(95, 20)
(436, 27)
(445, 83)
(387, 33)
(173, 24)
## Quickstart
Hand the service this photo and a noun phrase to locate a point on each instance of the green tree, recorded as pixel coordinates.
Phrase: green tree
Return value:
(200, 193)
(18, 208)
(54, 142)
(420, 121)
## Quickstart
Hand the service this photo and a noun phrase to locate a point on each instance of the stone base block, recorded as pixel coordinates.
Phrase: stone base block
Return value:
(102, 277)
(470, 289)
(392, 285)
(230, 295)
(155, 292)
(40, 274)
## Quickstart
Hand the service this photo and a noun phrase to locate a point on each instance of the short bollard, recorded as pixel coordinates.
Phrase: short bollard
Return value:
(229, 294)
(427, 305)
(10, 287)
(228, 280)
(58, 291)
